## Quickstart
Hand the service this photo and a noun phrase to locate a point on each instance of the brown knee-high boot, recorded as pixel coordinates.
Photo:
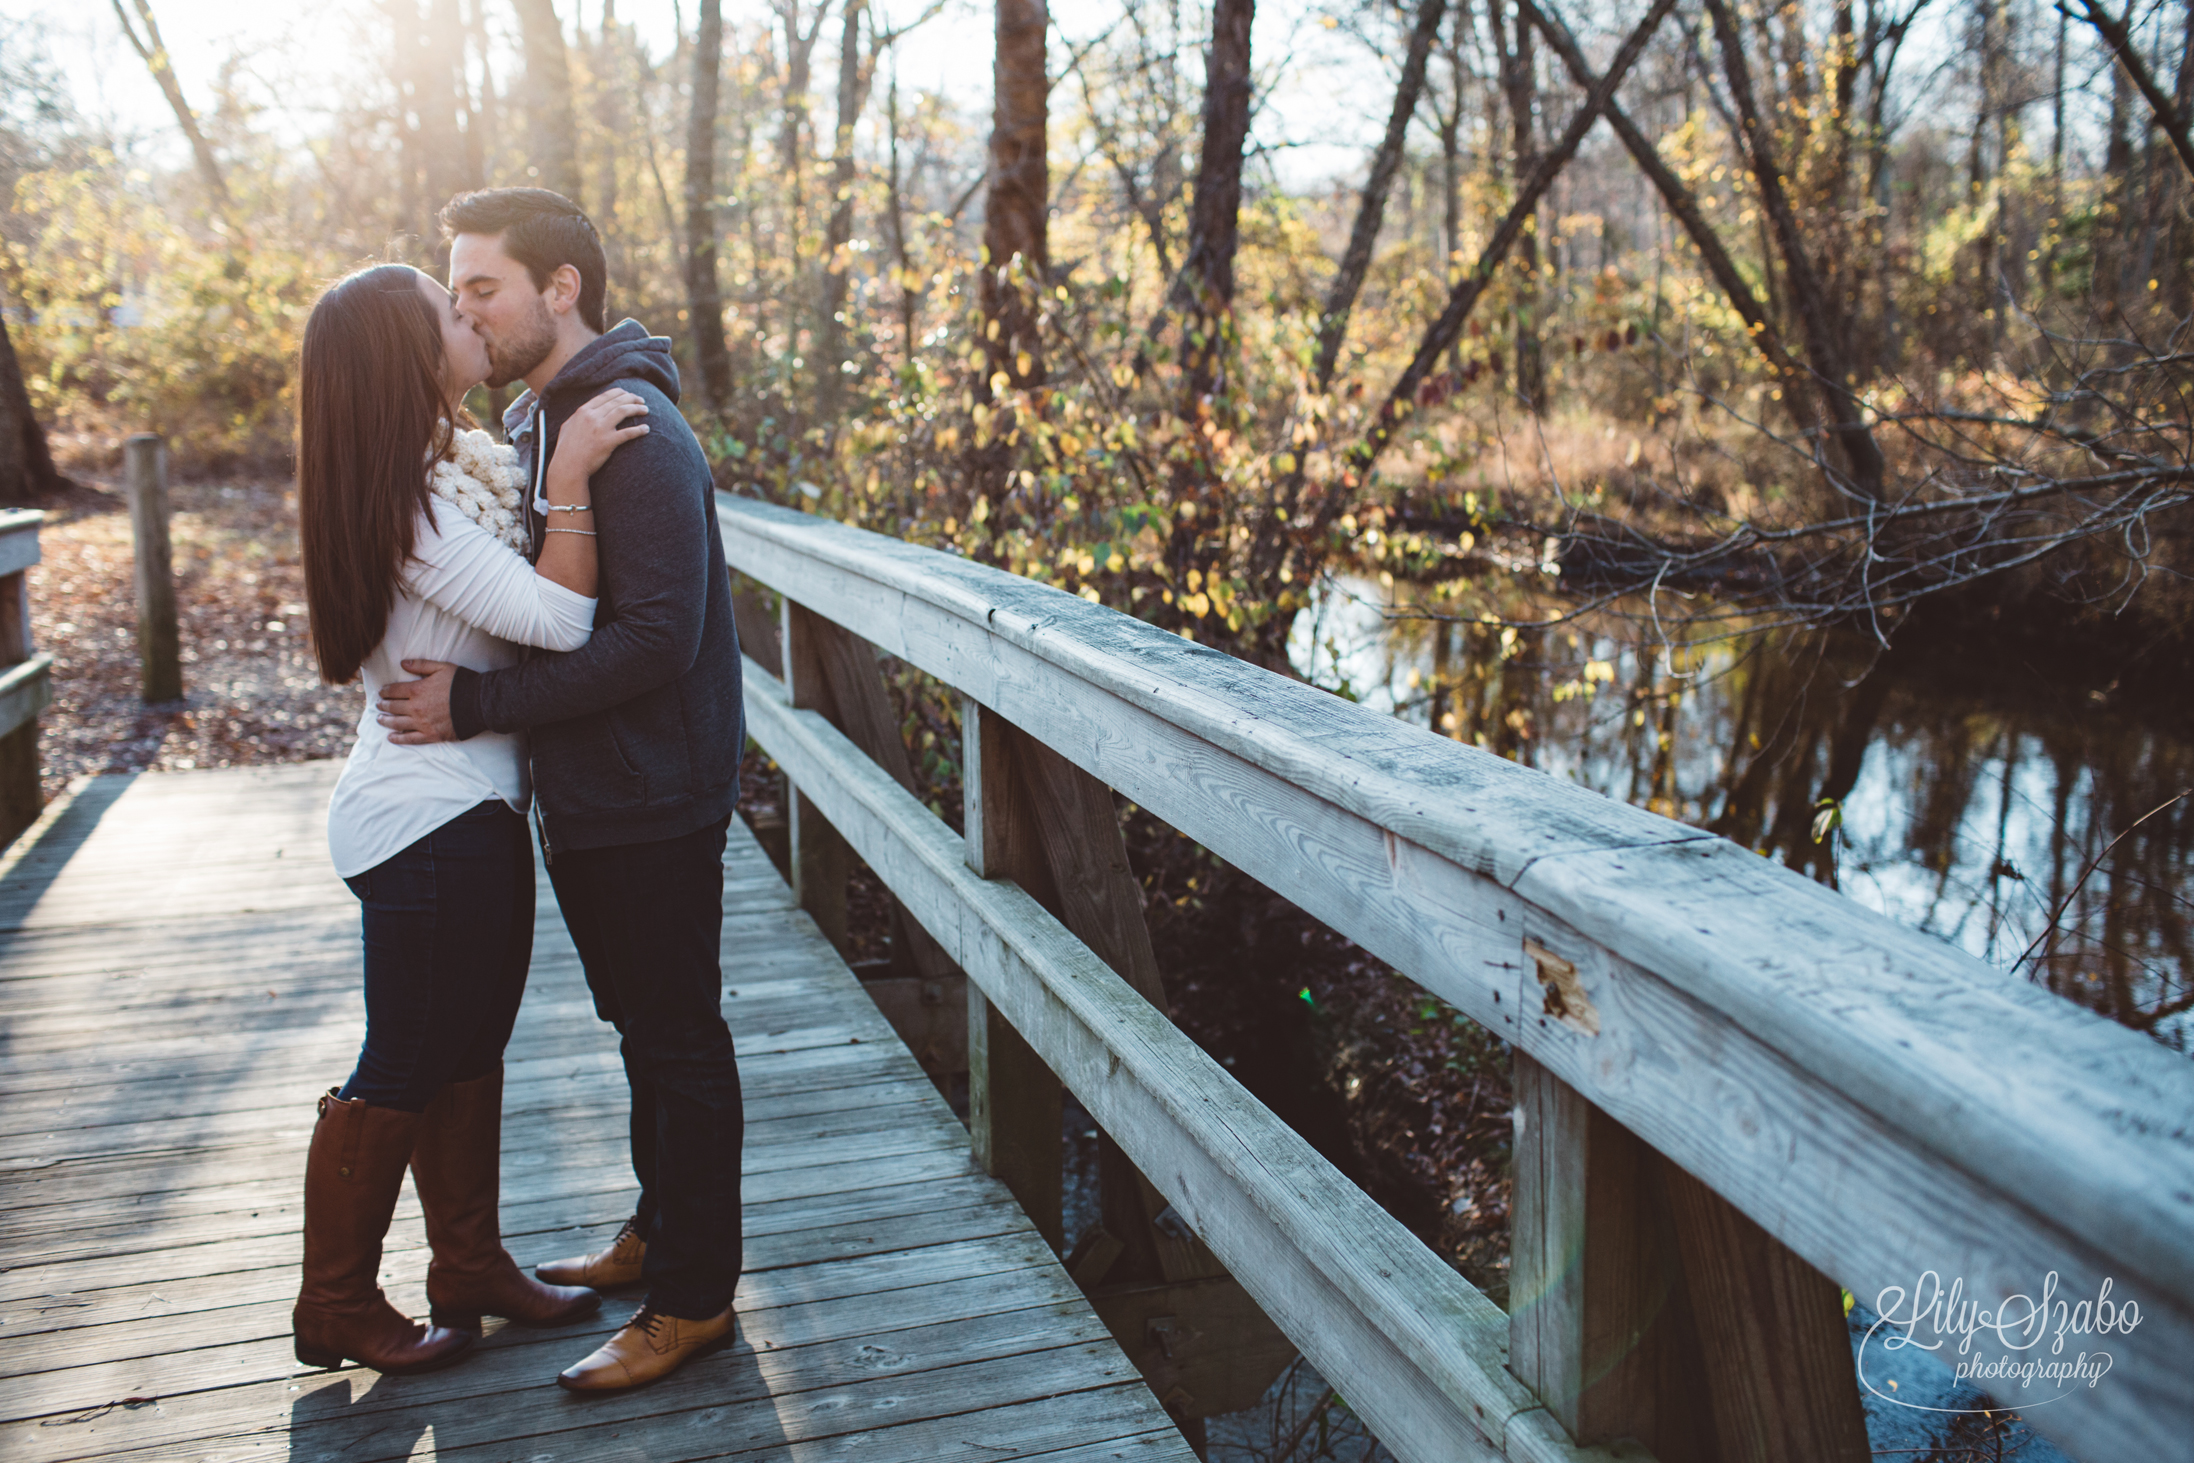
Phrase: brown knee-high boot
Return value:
(455, 1163)
(351, 1177)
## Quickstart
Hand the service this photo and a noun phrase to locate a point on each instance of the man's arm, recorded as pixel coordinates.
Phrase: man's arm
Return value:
(650, 505)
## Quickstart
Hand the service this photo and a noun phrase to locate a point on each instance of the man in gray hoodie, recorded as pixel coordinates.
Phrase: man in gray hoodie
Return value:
(636, 740)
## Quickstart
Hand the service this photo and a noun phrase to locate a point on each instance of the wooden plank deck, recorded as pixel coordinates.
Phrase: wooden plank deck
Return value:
(179, 979)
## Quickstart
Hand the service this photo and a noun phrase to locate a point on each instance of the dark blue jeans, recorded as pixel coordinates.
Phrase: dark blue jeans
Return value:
(448, 935)
(648, 919)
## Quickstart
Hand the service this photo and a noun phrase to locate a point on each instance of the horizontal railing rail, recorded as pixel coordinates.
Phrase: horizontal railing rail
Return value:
(1873, 1100)
(26, 674)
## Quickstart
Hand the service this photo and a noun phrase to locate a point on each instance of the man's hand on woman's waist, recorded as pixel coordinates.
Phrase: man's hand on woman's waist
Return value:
(417, 712)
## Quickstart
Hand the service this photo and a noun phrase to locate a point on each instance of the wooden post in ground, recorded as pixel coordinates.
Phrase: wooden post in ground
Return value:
(25, 689)
(1016, 1106)
(1643, 1305)
(159, 639)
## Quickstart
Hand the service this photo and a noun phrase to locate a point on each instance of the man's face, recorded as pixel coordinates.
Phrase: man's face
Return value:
(496, 296)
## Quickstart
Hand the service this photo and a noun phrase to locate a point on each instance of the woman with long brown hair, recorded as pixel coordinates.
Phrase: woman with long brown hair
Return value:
(415, 530)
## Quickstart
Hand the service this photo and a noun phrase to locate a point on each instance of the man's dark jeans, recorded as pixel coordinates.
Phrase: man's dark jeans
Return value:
(448, 933)
(648, 919)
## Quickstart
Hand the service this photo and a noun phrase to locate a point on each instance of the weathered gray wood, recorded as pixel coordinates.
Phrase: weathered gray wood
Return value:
(159, 641)
(1599, 1322)
(1016, 1105)
(1070, 817)
(156, 1123)
(19, 538)
(1974, 1120)
(26, 688)
(821, 863)
(1417, 1352)
(1771, 1332)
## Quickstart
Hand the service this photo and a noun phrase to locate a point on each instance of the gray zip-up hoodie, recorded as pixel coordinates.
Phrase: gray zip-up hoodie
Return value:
(636, 736)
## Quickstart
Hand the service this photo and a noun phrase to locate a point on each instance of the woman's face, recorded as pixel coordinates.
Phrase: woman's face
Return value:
(464, 353)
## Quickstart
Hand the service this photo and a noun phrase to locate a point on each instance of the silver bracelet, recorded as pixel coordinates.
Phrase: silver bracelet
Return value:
(568, 507)
(584, 532)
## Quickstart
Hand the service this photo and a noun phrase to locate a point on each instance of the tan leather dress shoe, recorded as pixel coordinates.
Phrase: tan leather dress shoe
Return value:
(602, 1269)
(649, 1348)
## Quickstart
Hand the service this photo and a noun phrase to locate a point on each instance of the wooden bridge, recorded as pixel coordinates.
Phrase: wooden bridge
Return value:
(1737, 1092)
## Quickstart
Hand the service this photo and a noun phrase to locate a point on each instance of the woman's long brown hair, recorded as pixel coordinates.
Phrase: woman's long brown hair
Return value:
(370, 418)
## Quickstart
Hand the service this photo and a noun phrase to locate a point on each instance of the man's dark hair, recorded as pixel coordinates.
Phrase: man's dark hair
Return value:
(541, 230)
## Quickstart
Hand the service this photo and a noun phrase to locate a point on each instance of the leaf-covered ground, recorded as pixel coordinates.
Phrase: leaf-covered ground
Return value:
(250, 691)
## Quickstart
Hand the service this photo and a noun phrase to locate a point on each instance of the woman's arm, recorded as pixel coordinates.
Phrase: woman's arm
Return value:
(461, 568)
(591, 434)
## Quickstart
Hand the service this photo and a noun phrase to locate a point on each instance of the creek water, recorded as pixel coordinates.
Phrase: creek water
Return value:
(2032, 820)
(2028, 821)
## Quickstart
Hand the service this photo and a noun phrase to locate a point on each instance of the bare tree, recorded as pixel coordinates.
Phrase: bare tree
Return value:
(1826, 346)
(1214, 233)
(1014, 213)
(2170, 113)
(1348, 280)
(154, 52)
(1443, 332)
(1520, 83)
(704, 296)
(552, 138)
(854, 72)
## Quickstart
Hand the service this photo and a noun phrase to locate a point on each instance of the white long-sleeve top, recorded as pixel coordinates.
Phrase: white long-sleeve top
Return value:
(469, 600)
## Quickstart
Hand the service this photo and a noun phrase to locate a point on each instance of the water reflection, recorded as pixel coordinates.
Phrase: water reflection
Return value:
(1970, 804)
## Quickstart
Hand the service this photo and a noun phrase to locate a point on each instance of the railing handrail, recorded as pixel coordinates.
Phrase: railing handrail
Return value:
(1877, 1100)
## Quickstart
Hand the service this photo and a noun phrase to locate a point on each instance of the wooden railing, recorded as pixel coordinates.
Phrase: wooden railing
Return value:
(26, 675)
(1736, 1090)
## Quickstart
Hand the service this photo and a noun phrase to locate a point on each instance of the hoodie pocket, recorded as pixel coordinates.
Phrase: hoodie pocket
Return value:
(583, 769)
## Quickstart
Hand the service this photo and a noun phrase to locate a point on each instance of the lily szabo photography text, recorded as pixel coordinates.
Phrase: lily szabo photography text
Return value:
(2029, 1349)
(1332, 729)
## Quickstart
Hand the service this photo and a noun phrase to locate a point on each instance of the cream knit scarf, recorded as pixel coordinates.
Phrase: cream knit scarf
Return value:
(481, 479)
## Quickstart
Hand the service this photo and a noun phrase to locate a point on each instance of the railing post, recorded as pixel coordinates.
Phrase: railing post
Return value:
(20, 795)
(821, 861)
(1599, 1321)
(159, 640)
(1643, 1305)
(1199, 1340)
(1016, 1106)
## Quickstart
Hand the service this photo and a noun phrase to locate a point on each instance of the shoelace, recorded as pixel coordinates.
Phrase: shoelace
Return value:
(651, 1323)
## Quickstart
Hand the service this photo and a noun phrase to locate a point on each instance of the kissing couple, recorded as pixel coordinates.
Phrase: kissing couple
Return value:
(546, 625)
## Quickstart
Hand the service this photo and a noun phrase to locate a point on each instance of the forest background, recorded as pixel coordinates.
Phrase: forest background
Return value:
(1612, 351)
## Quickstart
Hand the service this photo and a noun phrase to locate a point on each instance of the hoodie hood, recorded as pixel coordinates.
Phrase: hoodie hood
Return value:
(626, 353)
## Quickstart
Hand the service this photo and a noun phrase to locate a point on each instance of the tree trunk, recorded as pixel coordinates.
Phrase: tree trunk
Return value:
(1826, 350)
(791, 140)
(1371, 208)
(612, 87)
(1215, 212)
(154, 52)
(837, 262)
(552, 138)
(704, 297)
(26, 466)
(1984, 245)
(1519, 80)
(1014, 222)
(895, 201)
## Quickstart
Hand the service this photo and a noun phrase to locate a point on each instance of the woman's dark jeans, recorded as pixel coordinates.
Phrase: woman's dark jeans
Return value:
(648, 920)
(448, 936)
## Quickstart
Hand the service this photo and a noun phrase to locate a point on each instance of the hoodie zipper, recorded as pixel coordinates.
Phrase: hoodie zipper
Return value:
(540, 460)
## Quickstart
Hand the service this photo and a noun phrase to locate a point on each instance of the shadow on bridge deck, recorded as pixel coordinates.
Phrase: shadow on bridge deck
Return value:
(179, 978)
